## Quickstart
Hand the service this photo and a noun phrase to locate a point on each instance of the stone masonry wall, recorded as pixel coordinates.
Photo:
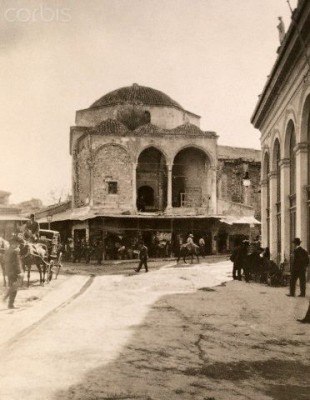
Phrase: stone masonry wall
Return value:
(112, 163)
(230, 183)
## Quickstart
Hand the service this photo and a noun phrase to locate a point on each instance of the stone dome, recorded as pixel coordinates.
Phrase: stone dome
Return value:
(136, 94)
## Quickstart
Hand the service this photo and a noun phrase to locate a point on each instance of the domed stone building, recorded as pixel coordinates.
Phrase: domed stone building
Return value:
(142, 167)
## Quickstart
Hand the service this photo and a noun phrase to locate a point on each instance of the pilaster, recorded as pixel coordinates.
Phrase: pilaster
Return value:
(273, 178)
(213, 191)
(301, 191)
(169, 188)
(264, 206)
(285, 208)
(134, 187)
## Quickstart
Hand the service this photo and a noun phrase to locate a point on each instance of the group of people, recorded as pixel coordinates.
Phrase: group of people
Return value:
(12, 262)
(84, 250)
(251, 258)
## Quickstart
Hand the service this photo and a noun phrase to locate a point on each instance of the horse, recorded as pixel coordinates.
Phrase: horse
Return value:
(4, 245)
(34, 254)
(189, 249)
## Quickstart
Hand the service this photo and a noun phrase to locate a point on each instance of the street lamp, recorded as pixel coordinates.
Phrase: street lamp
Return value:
(246, 180)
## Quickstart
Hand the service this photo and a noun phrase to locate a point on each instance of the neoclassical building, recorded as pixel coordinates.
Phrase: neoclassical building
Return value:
(282, 115)
(142, 167)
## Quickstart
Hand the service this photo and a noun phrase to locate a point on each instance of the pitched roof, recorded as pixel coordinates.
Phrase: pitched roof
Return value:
(234, 153)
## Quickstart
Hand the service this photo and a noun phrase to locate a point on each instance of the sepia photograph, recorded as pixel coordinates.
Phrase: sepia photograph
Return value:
(155, 200)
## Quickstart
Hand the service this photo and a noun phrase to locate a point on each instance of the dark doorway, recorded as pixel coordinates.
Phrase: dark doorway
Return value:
(146, 193)
(151, 180)
(79, 234)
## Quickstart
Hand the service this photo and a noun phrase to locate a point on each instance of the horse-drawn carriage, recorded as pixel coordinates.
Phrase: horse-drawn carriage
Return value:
(45, 254)
(51, 239)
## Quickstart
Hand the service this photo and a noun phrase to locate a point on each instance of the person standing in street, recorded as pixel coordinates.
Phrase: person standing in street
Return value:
(299, 267)
(143, 257)
(244, 259)
(306, 320)
(202, 246)
(13, 270)
(235, 258)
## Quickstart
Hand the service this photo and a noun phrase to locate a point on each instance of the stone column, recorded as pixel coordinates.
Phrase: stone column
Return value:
(74, 178)
(301, 192)
(285, 208)
(213, 242)
(134, 186)
(264, 206)
(90, 165)
(213, 207)
(169, 187)
(273, 213)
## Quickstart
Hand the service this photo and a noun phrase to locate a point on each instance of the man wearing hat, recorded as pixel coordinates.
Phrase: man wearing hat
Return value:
(32, 228)
(143, 255)
(13, 270)
(299, 267)
(190, 239)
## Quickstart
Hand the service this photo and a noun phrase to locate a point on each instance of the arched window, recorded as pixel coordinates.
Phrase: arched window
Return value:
(266, 178)
(151, 180)
(308, 189)
(147, 117)
(276, 165)
(292, 156)
(305, 168)
(190, 178)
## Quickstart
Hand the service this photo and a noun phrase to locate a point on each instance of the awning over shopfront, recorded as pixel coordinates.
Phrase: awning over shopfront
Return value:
(12, 217)
(85, 213)
(231, 220)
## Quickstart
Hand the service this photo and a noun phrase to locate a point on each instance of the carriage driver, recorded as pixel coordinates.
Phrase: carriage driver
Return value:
(32, 229)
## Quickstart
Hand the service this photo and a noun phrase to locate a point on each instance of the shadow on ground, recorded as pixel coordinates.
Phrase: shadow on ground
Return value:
(201, 346)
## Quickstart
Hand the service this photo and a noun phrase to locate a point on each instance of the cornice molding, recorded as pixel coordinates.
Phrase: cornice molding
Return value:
(284, 162)
(302, 147)
(272, 175)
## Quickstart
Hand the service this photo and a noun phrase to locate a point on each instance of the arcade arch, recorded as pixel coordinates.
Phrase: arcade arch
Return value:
(151, 177)
(190, 178)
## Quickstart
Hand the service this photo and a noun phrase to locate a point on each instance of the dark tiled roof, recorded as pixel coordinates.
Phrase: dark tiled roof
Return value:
(149, 130)
(190, 130)
(111, 127)
(136, 94)
(114, 127)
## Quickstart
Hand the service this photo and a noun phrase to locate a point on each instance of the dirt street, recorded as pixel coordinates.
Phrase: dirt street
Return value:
(174, 333)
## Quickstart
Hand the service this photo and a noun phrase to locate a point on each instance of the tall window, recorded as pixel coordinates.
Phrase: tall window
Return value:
(308, 191)
(267, 170)
(292, 195)
(277, 158)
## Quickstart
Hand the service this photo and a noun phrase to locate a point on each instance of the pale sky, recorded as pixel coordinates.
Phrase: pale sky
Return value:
(211, 56)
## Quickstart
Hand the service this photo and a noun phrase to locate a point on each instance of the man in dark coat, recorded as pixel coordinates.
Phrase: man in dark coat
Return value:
(32, 229)
(143, 257)
(13, 270)
(306, 320)
(235, 258)
(298, 270)
(244, 259)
